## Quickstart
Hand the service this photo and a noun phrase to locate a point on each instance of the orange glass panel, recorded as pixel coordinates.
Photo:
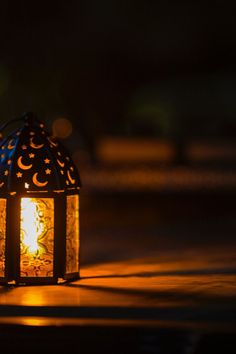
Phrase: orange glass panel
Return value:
(37, 237)
(72, 234)
(3, 204)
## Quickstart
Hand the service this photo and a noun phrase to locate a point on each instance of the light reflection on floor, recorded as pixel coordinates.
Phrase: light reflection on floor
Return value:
(174, 287)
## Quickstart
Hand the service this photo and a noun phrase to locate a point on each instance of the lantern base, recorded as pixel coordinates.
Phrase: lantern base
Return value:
(40, 280)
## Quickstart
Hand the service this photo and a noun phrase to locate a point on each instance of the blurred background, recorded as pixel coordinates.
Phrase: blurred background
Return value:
(143, 95)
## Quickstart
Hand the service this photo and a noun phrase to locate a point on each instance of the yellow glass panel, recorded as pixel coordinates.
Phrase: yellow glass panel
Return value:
(72, 234)
(37, 237)
(3, 204)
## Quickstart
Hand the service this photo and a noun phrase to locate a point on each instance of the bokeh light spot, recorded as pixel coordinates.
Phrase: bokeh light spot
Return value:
(62, 128)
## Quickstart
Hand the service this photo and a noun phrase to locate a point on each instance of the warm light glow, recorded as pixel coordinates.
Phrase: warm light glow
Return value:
(31, 224)
(62, 128)
(72, 234)
(37, 236)
(3, 205)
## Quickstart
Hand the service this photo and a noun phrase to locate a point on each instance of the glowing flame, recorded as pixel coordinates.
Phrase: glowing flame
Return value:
(31, 226)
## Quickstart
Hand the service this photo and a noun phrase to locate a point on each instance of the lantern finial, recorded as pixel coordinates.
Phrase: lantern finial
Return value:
(30, 118)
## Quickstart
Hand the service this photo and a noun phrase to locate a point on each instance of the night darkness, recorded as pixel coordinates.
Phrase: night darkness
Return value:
(114, 66)
(143, 94)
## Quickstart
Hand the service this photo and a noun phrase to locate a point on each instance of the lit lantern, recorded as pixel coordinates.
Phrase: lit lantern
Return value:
(39, 208)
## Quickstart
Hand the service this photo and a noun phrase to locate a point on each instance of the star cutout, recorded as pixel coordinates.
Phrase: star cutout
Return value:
(9, 162)
(24, 147)
(6, 173)
(19, 175)
(47, 161)
(31, 156)
(62, 172)
(48, 172)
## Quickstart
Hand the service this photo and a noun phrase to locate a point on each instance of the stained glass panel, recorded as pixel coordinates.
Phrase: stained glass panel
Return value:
(37, 237)
(72, 234)
(3, 204)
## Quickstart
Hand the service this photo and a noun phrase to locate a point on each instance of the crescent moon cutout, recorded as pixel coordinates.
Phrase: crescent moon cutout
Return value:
(72, 180)
(36, 182)
(35, 146)
(52, 142)
(22, 166)
(62, 164)
(9, 146)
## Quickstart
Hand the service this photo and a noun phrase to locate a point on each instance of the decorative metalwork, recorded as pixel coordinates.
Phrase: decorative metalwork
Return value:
(35, 146)
(39, 183)
(37, 237)
(72, 234)
(30, 155)
(3, 204)
(23, 166)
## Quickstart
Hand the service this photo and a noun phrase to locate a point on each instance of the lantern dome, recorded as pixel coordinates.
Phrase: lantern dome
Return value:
(31, 160)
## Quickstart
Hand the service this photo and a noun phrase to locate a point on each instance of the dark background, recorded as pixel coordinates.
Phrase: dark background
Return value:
(129, 68)
(149, 88)
(148, 91)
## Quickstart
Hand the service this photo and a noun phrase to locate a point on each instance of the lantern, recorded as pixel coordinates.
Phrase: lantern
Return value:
(39, 208)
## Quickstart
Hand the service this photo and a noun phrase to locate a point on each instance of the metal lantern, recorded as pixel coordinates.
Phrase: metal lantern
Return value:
(39, 208)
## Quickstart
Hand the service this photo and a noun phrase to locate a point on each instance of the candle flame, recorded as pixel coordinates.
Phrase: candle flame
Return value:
(31, 225)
